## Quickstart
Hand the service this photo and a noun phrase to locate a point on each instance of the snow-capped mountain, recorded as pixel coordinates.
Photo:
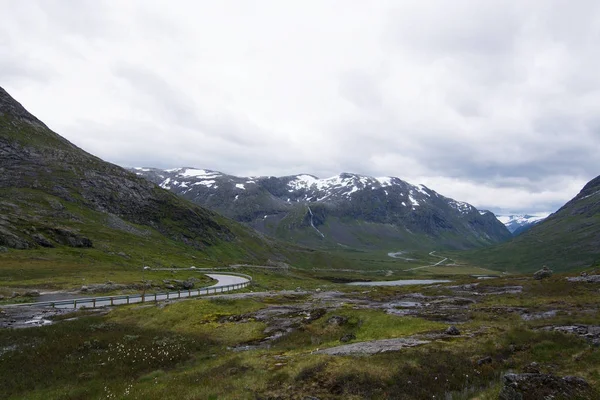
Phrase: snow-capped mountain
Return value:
(346, 209)
(519, 223)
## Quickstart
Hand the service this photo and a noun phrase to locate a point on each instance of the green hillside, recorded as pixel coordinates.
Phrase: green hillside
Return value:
(568, 239)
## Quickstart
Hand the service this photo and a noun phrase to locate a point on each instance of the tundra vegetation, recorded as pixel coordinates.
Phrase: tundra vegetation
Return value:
(270, 341)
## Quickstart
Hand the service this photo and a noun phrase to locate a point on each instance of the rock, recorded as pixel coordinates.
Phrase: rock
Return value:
(545, 272)
(484, 360)
(15, 294)
(187, 285)
(1, 297)
(3, 249)
(372, 347)
(348, 337)
(452, 330)
(42, 240)
(585, 278)
(170, 287)
(318, 290)
(84, 288)
(542, 386)
(533, 368)
(32, 293)
(337, 320)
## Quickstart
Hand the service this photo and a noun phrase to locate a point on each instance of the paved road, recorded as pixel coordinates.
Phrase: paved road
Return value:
(224, 280)
(224, 284)
(431, 265)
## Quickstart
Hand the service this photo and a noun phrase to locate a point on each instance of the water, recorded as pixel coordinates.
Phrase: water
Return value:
(401, 282)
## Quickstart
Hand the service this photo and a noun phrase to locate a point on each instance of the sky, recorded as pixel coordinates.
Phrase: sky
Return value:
(493, 102)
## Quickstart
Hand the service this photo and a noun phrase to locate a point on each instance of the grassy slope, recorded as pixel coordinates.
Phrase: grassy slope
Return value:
(181, 351)
(47, 183)
(567, 240)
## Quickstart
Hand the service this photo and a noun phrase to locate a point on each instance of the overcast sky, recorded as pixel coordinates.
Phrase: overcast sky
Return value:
(496, 103)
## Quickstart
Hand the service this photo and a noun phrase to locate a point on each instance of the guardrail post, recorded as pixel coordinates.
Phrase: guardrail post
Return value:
(155, 297)
(127, 299)
(111, 301)
(167, 295)
(143, 297)
(53, 305)
(94, 302)
(179, 294)
(74, 303)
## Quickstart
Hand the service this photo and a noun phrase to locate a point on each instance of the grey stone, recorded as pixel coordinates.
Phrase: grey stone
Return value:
(373, 347)
(41, 240)
(452, 330)
(543, 273)
(348, 337)
(585, 278)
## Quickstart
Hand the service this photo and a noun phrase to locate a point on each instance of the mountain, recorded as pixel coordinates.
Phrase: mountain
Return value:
(517, 224)
(567, 239)
(53, 195)
(345, 210)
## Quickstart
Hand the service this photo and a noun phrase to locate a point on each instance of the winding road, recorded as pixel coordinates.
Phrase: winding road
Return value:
(432, 265)
(225, 283)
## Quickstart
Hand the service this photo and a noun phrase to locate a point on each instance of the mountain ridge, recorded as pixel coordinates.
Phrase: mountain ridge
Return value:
(393, 209)
(52, 193)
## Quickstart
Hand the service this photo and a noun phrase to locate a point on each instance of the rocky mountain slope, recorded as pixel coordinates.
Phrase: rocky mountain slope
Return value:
(344, 210)
(519, 223)
(55, 195)
(569, 238)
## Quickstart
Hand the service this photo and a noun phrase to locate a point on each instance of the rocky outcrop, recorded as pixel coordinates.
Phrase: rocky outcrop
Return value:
(41, 172)
(543, 273)
(373, 347)
(533, 386)
(585, 278)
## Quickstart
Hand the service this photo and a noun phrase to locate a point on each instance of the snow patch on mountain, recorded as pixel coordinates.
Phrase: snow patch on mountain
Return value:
(462, 206)
(198, 173)
(516, 221)
(208, 183)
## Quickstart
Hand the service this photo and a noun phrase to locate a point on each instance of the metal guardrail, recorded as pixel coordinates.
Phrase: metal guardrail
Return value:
(96, 302)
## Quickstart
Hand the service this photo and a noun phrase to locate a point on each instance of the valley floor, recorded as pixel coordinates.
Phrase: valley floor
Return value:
(319, 341)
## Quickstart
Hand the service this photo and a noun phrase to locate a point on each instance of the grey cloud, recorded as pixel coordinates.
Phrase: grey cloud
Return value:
(485, 99)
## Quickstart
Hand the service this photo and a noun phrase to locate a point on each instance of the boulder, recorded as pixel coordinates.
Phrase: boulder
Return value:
(543, 386)
(348, 337)
(533, 368)
(452, 330)
(337, 320)
(545, 272)
(187, 285)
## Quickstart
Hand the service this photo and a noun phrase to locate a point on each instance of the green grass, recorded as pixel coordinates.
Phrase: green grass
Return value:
(185, 349)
